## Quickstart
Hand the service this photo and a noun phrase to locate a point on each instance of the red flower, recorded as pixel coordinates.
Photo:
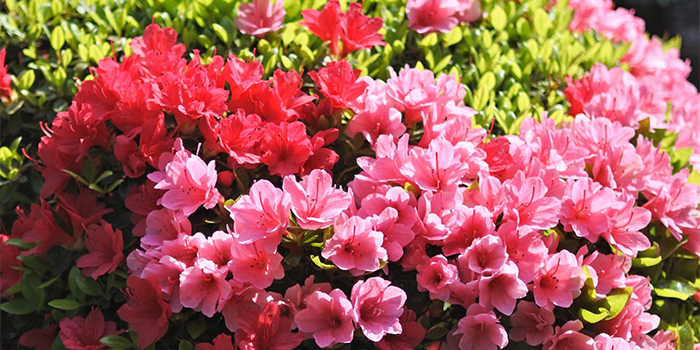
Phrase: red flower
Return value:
(39, 339)
(5, 79)
(268, 332)
(146, 311)
(262, 100)
(45, 231)
(160, 51)
(286, 147)
(83, 210)
(359, 31)
(141, 202)
(338, 82)
(288, 87)
(221, 342)
(240, 136)
(498, 157)
(105, 246)
(8, 259)
(325, 24)
(240, 75)
(85, 333)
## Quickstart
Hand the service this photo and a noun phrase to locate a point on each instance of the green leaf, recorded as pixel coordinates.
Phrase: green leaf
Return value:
(437, 332)
(65, 304)
(452, 37)
(116, 342)
(685, 337)
(428, 41)
(675, 289)
(220, 32)
(541, 22)
(317, 261)
(617, 299)
(498, 18)
(593, 316)
(57, 38)
(87, 285)
(30, 288)
(196, 327)
(646, 261)
(26, 79)
(18, 306)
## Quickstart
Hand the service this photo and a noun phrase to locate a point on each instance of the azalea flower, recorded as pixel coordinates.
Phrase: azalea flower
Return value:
(355, 246)
(269, 332)
(315, 202)
(260, 17)
(480, 330)
(377, 306)
(145, 311)
(328, 317)
(85, 333)
(105, 246)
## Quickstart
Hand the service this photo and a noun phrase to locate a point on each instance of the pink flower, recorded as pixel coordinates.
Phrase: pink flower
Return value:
(437, 168)
(396, 235)
(631, 321)
(315, 201)
(376, 119)
(412, 333)
(435, 276)
(531, 323)
(184, 248)
(502, 289)
(426, 16)
(85, 333)
(626, 221)
(673, 206)
(480, 330)
(252, 264)
(260, 17)
(145, 311)
(569, 337)
(203, 286)
(190, 182)
(528, 204)
(609, 270)
(583, 208)
(217, 249)
(485, 255)
(328, 317)
(558, 281)
(242, 305)
(105, 247)
(377, 307)
(525, 248)
(355, 246)
(606, 342)
(268, 332)
(167, 272)
(261, 214)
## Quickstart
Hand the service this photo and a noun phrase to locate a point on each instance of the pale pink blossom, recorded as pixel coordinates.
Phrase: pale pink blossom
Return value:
(261, 214)
(481, 330)
(485, 255)
(167, 272)
(437, 168)
(190, 183)
(396, 235)
(527, 202)
(355, 246)
(260, 16)
(328, 317)
(203, 286)
(217, 249)
(250, 263)
(584, 206)
(569, 336)
(501, 289)
(316, 203)
(435, 276)
(558, 281)
(377, 306)
(531, 323)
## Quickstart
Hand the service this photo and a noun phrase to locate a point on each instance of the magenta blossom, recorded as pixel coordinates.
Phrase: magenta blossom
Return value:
(502, 289)
(250, 263)
(569, 337)
(328, 317)
(377, 307)
(260, 17)
(583, 208)
(315, 201)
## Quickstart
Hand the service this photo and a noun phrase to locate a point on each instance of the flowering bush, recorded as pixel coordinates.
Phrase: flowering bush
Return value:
(541, 193)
